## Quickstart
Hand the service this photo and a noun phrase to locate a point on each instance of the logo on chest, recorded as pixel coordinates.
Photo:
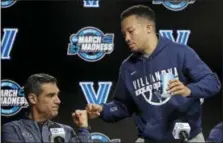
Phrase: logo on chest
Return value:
(149, 87)
(27, 136)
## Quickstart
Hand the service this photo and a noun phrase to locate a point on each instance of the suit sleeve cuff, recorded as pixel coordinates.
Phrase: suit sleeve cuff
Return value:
(84, 130)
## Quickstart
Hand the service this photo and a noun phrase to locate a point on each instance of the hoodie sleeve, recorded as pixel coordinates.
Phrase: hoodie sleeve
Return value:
(216, 134)
(121, 106)
(203, 82)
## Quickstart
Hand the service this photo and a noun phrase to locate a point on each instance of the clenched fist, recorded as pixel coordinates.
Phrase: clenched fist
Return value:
(80, 118)
(93, 110)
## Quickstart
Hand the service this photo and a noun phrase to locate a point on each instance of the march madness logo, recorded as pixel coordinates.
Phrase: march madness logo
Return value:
(7, 3)
(174, 5)
(12, 98)
(102, 138)
(91, 44)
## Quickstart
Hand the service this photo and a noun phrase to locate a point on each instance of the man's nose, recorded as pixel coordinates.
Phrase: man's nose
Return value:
(57, 100)
(127, 38)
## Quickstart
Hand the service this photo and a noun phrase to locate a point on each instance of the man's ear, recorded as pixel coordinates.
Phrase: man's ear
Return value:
(149, 28)
(32, 98)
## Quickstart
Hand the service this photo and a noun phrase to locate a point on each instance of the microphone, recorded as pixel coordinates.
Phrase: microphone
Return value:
(181, 131)
(57, 134)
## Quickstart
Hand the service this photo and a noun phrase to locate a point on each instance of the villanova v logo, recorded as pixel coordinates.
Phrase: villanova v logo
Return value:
(182, 35)
(91, 3)
(7, 42)
(91, 96)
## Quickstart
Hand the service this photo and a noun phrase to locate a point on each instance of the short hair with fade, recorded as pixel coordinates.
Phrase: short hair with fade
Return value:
(140, 11)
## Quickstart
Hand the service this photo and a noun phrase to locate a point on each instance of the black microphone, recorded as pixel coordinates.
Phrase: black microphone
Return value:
(183, 136)
(181, 131)
(57, 133)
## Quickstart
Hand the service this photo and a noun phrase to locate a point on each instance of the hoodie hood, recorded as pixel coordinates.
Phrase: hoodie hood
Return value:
(162, 43)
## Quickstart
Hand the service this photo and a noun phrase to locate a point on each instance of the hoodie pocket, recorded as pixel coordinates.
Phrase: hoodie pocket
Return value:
(154, 129)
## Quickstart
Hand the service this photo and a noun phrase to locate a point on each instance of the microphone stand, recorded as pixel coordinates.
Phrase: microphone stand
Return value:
(184, 137)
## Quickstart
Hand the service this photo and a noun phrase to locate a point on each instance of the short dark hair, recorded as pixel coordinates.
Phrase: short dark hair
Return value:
(34, 82)
(140, 11)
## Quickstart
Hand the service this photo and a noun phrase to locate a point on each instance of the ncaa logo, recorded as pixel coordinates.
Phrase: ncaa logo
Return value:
(99, 137)
(91, 44)
(7, 3)
(12, 98)
(174, 5)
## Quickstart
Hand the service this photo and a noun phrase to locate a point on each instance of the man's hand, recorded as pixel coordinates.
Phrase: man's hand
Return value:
(93, 110)
(175, 87)
(80, 118)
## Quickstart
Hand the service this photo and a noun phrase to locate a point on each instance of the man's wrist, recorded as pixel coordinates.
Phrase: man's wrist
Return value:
(188, 93)
(83, 126)
(101, 108)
